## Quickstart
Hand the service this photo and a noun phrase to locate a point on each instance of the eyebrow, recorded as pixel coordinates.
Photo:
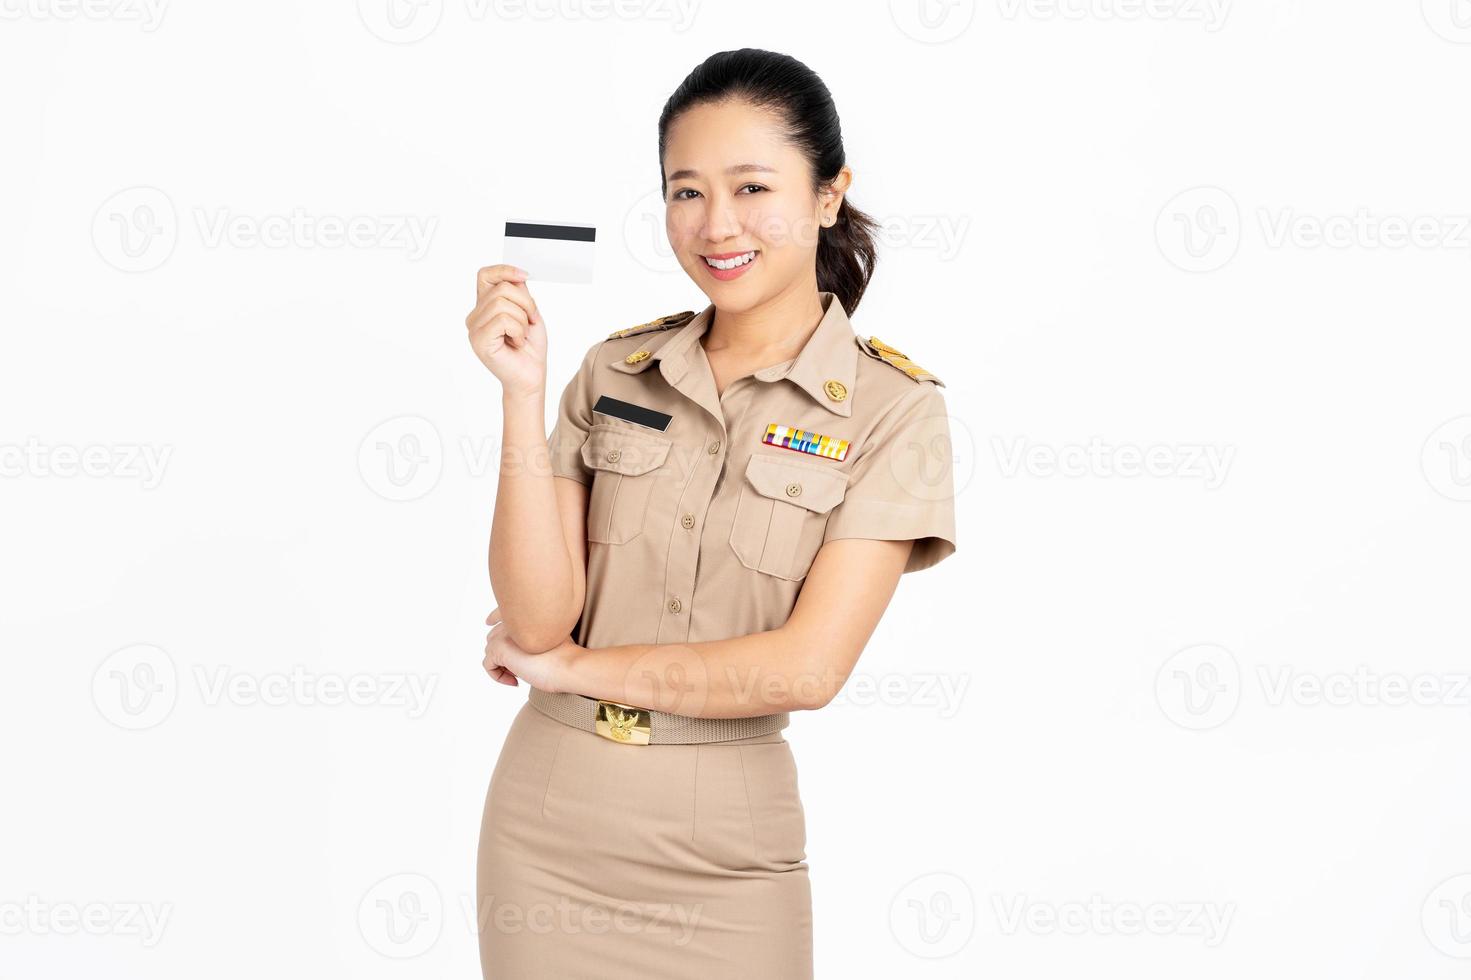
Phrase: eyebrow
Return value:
(740, 168)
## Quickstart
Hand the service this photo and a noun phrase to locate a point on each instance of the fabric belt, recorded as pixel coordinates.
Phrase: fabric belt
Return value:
(643, 726)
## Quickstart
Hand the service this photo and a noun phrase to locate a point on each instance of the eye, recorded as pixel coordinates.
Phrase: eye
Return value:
(678, 195)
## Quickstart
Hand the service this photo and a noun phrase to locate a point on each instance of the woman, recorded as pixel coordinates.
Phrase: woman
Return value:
(720, 516)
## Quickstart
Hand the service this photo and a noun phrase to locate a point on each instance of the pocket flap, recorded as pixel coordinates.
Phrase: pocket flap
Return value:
(626, 451)
(817, 490)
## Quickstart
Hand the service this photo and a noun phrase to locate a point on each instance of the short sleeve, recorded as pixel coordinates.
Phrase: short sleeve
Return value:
(903, 486)
(574, 418)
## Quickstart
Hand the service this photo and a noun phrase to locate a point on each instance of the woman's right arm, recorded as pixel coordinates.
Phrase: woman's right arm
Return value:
(537, 539)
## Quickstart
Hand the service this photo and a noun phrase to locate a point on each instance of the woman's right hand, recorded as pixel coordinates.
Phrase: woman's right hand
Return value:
(507, 332)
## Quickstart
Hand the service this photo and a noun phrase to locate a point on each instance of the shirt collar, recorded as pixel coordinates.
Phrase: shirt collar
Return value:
(826, 366)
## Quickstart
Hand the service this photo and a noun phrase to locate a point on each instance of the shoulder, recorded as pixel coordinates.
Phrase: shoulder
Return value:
(891, 379)
(897, 394)
(666, 322)
(638, 341)
(663, 323)
(882, 352)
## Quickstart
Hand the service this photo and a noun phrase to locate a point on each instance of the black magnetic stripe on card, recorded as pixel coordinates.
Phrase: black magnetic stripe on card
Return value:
(562, 233)
(637, 414)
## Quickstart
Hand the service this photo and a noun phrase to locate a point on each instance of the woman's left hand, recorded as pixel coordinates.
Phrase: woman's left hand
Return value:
(505, 661)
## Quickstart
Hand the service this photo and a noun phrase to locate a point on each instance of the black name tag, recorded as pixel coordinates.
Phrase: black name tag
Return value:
(636, 414)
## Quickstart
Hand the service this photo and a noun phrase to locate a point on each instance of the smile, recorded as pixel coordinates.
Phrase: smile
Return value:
(730, 263)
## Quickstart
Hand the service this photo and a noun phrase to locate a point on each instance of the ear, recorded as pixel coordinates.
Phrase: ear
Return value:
(832, 193)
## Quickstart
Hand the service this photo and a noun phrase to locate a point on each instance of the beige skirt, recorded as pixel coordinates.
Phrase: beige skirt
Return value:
(599, 859)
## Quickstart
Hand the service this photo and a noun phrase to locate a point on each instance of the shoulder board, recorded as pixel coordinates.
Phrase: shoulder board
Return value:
(663, 323)
(876, 348)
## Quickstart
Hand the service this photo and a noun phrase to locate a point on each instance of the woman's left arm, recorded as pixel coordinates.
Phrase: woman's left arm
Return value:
(801, 665)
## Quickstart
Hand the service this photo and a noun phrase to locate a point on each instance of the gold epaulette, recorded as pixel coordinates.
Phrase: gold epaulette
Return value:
(876, 348)
(663, 323)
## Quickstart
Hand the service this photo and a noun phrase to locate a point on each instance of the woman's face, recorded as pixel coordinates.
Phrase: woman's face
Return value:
(739, 194)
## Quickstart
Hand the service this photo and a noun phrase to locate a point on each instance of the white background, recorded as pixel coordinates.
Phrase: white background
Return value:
(1229, 698)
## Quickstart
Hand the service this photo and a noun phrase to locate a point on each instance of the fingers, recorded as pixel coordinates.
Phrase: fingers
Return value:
(497, 671)
(500, 674)
(494, 617)
(509, 282)
(536, 333)
(489, 277)
(499, 322)
(515, 331)
(494, 308)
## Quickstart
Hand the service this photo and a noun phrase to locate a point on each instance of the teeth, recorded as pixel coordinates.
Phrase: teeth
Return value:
(739, 260)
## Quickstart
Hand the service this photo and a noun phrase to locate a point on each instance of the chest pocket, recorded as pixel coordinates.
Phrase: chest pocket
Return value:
(626, 466)
(781, 515)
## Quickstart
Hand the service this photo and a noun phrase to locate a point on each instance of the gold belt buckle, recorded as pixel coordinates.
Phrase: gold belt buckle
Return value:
(622, 723)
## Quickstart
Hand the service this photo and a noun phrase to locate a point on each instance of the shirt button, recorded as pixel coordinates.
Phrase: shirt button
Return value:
(674, 605)
(688, 521)
(794, 489)
(614, 455)
(714, 447)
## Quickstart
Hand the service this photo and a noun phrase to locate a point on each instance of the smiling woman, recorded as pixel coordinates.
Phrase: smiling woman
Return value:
(765, 174)
(732, 497)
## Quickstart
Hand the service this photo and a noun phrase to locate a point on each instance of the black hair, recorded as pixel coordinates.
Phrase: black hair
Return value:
(846, 252)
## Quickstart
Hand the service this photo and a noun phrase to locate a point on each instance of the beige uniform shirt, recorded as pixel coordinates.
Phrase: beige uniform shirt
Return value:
(705, 511)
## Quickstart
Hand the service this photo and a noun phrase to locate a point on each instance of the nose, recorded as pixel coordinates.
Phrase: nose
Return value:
(721, 220)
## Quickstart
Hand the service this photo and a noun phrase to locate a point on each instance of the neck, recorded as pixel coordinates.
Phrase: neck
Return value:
(780, 326)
